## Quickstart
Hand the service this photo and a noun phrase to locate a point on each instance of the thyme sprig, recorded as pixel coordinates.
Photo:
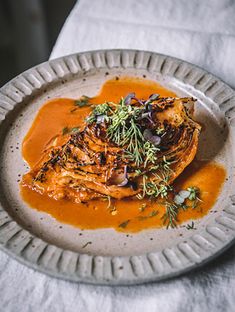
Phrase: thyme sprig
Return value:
(170, 216)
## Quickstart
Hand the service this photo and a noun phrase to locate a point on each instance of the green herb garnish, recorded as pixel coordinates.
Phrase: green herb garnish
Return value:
(157, 186)
(138, 172)
(65, 130)
(99, 110)
(83, 101)
(160, 131)
(170, 217)
(150, 153)
(124, 224)
(151, 215)
(74, 129)
(124, 129)
(191, 226)
(194, 192)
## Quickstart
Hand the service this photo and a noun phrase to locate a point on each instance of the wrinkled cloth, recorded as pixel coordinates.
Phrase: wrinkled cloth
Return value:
(201, 32)
(197, 31)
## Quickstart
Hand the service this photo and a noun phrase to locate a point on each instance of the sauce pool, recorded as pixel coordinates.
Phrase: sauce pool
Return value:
(123, 215)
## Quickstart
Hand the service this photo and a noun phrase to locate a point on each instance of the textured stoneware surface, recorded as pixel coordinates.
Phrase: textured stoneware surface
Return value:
(43, 243)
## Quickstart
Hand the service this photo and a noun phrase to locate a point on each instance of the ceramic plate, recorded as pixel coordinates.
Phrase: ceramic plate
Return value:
(38, 240)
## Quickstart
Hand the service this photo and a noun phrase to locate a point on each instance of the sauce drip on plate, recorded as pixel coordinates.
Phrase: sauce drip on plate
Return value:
(126, 214)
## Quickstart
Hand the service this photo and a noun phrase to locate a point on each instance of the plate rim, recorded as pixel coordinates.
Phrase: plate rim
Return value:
(125, 270)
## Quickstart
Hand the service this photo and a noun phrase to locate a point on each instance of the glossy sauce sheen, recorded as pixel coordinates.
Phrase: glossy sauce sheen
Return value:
(60, 113)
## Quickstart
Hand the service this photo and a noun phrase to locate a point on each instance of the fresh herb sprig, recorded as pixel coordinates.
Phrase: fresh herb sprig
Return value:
(124, 224)
(100, 111)
(124, 129)
(172, 208)
(191, 226)
(67, 130)
(83, 101)
(170, 216)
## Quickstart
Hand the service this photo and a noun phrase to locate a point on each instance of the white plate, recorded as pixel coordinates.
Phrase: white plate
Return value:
(43, 243)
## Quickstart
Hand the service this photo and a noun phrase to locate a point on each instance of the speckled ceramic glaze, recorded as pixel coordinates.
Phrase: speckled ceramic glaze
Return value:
(61, 250)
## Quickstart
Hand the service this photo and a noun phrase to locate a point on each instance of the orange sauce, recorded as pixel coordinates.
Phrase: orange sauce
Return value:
(59, 113)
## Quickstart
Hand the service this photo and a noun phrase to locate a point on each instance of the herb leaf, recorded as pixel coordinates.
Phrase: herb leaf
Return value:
(194, 192)
(99, 110)
(65, 130)
(153, 213)
(88, 243)
(124, 224)
(170, 217)
(83, 101)
(191, 226)
(74, 129)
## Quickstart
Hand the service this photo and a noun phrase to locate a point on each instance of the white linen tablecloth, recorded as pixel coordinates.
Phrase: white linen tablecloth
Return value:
(201, 32)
